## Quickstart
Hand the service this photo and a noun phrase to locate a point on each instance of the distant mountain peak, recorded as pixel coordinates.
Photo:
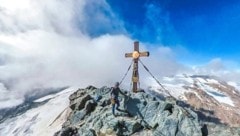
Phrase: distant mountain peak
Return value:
(204, 92)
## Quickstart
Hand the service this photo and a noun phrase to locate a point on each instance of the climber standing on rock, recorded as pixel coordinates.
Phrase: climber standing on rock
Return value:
(114, 97)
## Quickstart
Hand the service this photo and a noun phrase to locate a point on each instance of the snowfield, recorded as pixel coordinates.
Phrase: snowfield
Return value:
(176, 84)
(216, 94)
(44, 120)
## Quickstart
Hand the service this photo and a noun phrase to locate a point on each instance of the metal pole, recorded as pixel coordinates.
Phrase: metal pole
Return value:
(135, 77)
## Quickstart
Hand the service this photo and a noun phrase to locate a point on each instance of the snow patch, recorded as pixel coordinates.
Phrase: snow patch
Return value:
(40, 121)
(213, 81)
(53, 95)
(217, 95)
(235, 85)
(175, 86)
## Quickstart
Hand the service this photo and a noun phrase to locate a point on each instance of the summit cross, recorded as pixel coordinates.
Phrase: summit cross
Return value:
(136, 55)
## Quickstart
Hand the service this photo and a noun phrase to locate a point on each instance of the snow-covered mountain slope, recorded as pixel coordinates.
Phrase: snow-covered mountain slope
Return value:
(218, 100)
(42, 120)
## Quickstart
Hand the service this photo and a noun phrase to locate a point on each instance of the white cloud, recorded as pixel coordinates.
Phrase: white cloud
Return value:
(8, 98)
(51, 43)
(212, 67)
(14, 6)
(48, 44)
(55, 43)
(224, 69)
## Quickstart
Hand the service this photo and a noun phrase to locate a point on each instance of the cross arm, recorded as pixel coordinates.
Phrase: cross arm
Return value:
(128, 55)
(144, 54)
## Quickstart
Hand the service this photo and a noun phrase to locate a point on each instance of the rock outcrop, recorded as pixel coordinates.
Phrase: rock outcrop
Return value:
(140, 114)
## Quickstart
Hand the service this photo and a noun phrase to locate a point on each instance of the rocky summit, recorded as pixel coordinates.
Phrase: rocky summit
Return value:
(140, 114)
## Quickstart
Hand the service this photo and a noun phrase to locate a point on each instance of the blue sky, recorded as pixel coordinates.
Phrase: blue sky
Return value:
(205, 28)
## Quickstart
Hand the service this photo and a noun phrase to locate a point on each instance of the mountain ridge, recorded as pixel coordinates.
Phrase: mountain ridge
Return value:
(206, 93)
(194, 98)
(141, 114)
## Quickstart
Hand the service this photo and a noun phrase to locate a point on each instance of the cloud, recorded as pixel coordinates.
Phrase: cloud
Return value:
(47, 44)
(65, 17)
(8, 98)
(58, 60)
(212, 67)
(226, 70)
(57, 43)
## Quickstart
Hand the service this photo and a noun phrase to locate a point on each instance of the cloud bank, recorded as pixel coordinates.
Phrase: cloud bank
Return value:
(65, 43)
(224, 69)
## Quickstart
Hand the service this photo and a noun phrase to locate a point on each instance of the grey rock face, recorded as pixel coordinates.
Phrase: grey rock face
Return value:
(139, 114)
(79, 103)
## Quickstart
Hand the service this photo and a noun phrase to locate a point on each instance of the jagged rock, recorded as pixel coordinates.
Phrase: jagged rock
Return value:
(79, 103)
(87, 132)
(79, 115)
(133, 126)
(91, 87)
(77, 94)
(105, 102)
(90, 106)
(70, 131)
(139, 114)
(221, 130)
(169, 107)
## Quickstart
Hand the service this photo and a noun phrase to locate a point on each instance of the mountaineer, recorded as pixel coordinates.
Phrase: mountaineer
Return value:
(114, 97)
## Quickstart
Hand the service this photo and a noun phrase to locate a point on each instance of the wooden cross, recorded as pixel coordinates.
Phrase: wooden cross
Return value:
(136, 55)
